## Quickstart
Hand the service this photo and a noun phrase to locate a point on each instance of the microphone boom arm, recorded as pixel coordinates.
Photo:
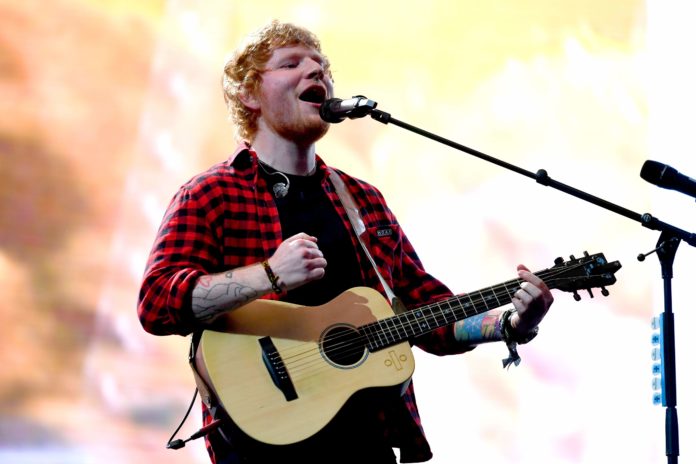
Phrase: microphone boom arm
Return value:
(542, 177)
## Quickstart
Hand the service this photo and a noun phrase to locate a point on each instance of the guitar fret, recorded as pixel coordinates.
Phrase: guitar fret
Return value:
(379, 334)
(392, 329)
(448, 312)
(427, 317)
(369, 331)
(508, 292)
(414, 322)
(403, 331)
(423, 327)
(384, 331)
(470, 304)
(496, 297)
(383, 335)
(409, 316)
(457, 310)
(485, 300)
(430, 318)
(414, 319)
(376, 334)
(439, 315)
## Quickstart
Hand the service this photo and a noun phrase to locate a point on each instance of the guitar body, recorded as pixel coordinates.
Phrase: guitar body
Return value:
(314, 361)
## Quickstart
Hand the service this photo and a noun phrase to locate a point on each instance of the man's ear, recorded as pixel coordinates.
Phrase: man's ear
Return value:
(249, 99)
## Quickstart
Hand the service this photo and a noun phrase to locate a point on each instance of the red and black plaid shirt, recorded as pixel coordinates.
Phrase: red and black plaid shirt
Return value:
(226, 218)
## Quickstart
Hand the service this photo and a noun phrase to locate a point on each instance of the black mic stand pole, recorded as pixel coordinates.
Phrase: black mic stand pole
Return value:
(666, 250)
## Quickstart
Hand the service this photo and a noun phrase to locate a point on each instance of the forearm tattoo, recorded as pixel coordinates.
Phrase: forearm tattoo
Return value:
(213, 296)
(479, 328)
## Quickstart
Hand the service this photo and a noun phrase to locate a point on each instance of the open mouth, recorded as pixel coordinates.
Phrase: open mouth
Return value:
(314, 94)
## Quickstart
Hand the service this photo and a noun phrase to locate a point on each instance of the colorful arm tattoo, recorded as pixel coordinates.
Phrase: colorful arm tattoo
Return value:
(478, 329)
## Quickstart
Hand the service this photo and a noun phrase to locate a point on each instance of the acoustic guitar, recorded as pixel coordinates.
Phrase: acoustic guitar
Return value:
(282, 371)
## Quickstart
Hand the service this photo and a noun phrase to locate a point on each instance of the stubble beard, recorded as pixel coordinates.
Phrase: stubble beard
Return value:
(305, 133)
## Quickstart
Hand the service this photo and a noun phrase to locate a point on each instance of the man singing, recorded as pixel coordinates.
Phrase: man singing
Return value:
(268, 223)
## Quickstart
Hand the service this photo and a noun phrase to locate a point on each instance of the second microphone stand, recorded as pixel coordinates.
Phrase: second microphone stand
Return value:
(666, 250)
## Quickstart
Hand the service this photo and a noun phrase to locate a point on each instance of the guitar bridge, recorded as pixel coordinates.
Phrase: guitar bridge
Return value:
(276, 369)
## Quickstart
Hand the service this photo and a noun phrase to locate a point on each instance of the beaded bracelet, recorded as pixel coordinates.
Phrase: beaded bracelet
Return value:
(272, 277)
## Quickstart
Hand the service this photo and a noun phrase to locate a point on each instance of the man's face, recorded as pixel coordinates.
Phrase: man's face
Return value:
(293, 86)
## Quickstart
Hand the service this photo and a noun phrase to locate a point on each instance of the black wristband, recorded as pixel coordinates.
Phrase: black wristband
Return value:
(508, 333)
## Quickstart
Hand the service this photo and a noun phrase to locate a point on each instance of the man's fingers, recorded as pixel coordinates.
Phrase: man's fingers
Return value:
(302, 236)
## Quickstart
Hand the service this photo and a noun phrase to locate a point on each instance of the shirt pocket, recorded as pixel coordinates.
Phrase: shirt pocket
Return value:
(384, 243)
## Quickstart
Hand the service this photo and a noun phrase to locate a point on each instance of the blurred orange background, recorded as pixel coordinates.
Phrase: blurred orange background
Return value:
(107, 106)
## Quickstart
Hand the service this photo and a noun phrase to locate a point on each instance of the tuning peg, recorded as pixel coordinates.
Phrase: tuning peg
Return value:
(605, 292)
(587, 255)
(572, 257)
(589, 290)
(576, 297)
(558, 261)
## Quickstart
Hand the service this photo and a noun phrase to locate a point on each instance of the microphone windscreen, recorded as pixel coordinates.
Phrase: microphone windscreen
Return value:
(652, 171)
(326, 111)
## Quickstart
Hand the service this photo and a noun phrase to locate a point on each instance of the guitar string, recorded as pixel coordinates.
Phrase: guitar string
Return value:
(354, 349)
(308, 357)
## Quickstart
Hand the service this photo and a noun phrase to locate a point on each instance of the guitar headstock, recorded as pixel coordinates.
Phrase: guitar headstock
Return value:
(584, 273)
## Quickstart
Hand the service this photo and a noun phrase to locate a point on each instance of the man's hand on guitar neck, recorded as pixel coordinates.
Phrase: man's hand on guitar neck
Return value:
(532, 302)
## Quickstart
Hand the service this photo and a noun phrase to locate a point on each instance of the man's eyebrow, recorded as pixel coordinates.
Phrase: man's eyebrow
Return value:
(316, 56)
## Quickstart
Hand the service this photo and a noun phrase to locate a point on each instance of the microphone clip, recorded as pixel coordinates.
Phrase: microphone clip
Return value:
(335, 110)
(663, 247)
(363, 107)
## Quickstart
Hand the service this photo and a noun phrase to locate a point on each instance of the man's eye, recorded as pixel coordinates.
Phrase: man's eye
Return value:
(291, 64)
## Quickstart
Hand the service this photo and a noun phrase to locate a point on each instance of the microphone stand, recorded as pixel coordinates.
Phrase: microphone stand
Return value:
(666, 250)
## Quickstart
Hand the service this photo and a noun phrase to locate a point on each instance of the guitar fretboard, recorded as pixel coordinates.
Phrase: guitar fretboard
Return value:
(584, 273)
(411, 324)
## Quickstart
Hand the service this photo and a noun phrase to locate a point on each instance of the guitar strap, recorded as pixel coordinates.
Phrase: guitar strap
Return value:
(201, 384)
(359, 228)
(202, 389)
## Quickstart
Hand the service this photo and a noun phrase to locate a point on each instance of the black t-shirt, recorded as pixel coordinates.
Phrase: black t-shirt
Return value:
(355, 434)
(306, 208)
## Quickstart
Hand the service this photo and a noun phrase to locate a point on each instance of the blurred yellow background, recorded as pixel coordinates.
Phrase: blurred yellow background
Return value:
(107, 106)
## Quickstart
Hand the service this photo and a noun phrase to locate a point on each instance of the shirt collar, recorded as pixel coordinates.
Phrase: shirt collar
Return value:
(244, 154)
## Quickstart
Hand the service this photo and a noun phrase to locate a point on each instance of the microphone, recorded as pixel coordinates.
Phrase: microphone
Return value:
(667, 177)
(336, 110)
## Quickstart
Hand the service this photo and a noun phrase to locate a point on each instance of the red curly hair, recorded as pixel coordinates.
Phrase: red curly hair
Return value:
(242, 72)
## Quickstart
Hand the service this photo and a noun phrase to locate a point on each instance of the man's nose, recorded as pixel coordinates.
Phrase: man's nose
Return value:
(315, 71)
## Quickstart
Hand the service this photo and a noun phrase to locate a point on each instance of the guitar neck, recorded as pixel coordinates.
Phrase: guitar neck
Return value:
(411, 324)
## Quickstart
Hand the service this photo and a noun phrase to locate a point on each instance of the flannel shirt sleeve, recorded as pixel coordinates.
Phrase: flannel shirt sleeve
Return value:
(417, 288)
(185, 248)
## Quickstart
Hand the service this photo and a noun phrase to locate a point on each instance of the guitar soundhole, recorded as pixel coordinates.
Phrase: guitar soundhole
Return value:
(343, 346)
